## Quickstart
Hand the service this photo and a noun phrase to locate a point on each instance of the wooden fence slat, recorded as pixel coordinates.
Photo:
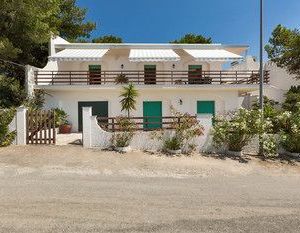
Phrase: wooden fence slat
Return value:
(49, 128)
(40, 127)
(53, 127)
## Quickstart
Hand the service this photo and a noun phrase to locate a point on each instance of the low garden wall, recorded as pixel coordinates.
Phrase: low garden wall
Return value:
(94, 136)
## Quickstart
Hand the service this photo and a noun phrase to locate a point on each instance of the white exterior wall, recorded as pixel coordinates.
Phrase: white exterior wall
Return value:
(94, 136)
(280, 82)
(280, 79)
(68, 100)
(114, 59)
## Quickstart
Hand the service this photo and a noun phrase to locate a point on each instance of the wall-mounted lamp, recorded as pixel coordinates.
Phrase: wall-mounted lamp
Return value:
(122, 66)
(173, 66)
(180, 101)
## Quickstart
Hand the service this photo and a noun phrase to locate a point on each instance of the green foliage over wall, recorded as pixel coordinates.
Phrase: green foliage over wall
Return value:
(191, 38)
(6, 137)
(284, 49)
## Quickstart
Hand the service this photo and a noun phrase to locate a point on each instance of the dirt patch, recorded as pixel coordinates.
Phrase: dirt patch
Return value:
(73, 159)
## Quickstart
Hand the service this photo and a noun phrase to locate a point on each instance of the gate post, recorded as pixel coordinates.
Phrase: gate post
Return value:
(21, 126)
(86, 127)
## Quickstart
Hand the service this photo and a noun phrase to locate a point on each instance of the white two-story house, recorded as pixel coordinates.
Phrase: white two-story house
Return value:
(188, 77)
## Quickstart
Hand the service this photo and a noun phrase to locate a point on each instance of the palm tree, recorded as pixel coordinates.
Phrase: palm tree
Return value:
(128, 100)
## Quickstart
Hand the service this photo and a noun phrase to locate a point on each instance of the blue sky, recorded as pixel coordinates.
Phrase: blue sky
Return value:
(230, 22)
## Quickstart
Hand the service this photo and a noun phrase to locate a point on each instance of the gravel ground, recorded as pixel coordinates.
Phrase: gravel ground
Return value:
(71, 189)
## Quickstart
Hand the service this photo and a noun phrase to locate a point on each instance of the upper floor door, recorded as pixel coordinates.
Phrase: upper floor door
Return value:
(150, 74)
(95, 74)
(195, 74)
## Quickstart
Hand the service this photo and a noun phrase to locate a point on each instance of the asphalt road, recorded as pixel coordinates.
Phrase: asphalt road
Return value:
(63, 199)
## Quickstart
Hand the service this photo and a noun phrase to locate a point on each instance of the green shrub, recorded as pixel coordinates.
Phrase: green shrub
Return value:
(185, 131)
(234, 131)
(121, 79)
(6, 137)
(122, 139)
(271, 111)
(35, 102)
(172, 143)
(292, 98)
(12, 94)
(290, 130)
(125, 126)
(60, 117)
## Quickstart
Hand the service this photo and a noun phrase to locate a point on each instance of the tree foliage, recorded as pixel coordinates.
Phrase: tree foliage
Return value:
(11, 92)
(6, 137)
(192, 38)
(292, 99)
(26, 27)
(128, 100)
(284, 49)
(107, 39)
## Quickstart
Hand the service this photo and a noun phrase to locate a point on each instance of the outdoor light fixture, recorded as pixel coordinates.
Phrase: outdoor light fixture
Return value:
(180, 101)
(173, 66)
(122, 66)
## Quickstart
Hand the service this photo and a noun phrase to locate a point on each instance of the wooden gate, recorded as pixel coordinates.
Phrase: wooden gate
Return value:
(40, 127)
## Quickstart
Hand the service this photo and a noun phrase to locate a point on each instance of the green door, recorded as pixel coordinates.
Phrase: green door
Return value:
(94, 74)
(99, 108)
(152, 109)
(195, 74)
(206, 107)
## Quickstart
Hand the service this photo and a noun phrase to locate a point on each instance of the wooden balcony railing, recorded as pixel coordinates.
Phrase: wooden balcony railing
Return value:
(149, 123)
(148, 78)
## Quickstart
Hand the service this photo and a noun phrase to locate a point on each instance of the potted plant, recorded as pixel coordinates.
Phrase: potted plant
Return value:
(121, 139)
(178, 82)
(172, 145)
(185, 128)
(61, 121)
(65, 128)
(121, 79)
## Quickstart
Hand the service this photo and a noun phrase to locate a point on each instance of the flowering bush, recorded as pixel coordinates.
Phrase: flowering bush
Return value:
(125, 127)
(290, 131)
(122, 139)
(186, 128)
(234, 131)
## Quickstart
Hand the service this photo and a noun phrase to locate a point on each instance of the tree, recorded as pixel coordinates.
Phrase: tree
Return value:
(11, 92)
(72, 24)
(192, 38)
(284, 49)
(108, 39)
(292, 99)
(26, 27)
(128, 100)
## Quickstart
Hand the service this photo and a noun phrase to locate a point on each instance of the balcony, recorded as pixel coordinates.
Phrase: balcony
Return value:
(149, 78)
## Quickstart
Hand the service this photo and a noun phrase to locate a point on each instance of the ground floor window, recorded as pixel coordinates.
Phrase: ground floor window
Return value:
(99, 108)
(206, 107)
(152, 113)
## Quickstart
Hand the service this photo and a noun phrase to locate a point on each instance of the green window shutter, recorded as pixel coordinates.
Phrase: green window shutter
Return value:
(206, 107)
(96, 68)
(152, 109)
(195, 67)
